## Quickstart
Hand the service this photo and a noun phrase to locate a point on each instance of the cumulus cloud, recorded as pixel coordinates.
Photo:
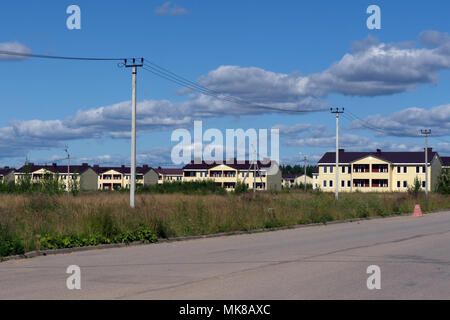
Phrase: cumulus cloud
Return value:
(169, 9)
(372, 69)
(13, 47)
(408, 122)
(381, 69)
(321, 137)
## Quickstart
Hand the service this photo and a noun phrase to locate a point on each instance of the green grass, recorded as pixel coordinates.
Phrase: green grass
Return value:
(41, 221)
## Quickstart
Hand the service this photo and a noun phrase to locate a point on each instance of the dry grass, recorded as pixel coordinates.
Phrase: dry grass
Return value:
(29, 218)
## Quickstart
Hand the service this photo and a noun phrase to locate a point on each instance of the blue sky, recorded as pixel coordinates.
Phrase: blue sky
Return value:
(264, 51)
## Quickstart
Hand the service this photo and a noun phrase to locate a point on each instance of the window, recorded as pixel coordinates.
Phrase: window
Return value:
(331, 170)
(398, 184)
(349, 183)
(423, 184)
(324, 183)
(343, 169)
(324, 169)
(405, 184)
(398, 170)
(342, 183)
(405, 169)
(417, 169)
(423, 169)
(331, 183)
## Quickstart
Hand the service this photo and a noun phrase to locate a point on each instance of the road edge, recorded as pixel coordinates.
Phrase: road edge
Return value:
(38, 253)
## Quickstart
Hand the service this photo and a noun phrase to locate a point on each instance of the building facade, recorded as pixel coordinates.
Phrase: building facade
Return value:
(69, 176)
(377, 171)
(85, 177)
(229, 174)
(115, 178)
(292, 180)
(445, 163)
(7, 175)
(169, 175)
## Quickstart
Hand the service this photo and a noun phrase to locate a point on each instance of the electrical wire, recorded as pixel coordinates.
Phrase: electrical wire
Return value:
(31, 55)
(173, 77)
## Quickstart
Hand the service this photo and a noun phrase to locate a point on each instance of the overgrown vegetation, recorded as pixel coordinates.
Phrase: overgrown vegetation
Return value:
(49, 184)
(443, 185)
(38, 221)
(194, 187)
(416, 188)
(296, 169)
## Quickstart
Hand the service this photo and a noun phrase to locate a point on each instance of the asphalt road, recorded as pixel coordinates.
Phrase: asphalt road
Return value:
(320, 262)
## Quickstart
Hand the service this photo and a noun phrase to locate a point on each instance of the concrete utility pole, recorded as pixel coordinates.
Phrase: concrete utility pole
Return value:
(304, 159)
(254, 173)
(337, 112)
(134, 66)
(426, 133)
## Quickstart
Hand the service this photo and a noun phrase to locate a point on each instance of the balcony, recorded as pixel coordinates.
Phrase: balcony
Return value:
(380, 168)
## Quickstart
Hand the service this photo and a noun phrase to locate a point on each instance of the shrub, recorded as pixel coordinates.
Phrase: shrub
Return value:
(443, 184)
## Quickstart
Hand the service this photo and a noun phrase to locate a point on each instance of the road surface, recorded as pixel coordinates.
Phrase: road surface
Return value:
(317, 262)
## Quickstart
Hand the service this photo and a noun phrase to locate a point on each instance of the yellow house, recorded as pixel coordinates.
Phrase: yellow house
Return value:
(114, 178)
(291, 180)
(445, 163)
(6, 175)
(377, 171)
(79, 175)
(169, 175)
(229, 174)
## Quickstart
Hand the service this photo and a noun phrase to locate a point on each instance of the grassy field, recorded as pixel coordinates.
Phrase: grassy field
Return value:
(37, 222)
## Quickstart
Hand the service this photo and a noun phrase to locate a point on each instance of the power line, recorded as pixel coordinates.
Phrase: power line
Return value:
(173, 77)
(31, 55)
(352, 117)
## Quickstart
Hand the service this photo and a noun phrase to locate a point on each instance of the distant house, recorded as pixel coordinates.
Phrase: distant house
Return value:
(113, 178)
(445, 162)
(7, 175)
(83, 175)
(169, 175)
(290, 180)
(228, 174)
(377, 171)
(315, 177)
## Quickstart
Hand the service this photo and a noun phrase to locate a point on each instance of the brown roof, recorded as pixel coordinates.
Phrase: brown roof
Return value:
(170, 171)
(445, 161)
(290, 176)
(238, 165)
(394, 157)
(122, 169)
(6, 170)
(54, 168)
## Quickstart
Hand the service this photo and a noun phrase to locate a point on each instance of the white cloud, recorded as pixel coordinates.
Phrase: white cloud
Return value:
(13, 47)
(167, 9)
(409, 122)
(373, 69)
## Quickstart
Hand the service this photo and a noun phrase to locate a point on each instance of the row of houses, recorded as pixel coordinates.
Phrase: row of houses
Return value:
(374, 171)
(90, 178)
(358, 171)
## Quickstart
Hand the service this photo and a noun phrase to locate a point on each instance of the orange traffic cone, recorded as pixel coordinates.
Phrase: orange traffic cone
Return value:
(417, 211)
